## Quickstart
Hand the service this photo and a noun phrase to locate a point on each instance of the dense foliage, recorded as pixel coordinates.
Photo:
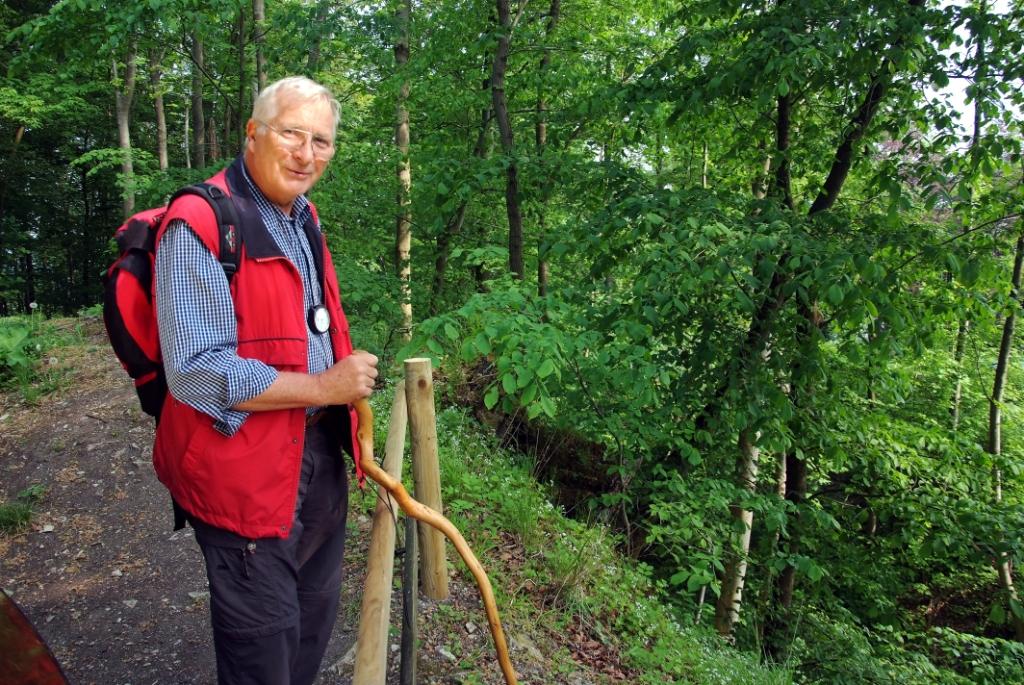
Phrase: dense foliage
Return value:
(762, 257)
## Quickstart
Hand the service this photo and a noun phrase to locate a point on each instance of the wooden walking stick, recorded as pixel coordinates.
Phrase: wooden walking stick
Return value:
(423, 513)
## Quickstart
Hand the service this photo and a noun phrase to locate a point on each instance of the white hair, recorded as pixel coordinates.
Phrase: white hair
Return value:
(291, 89)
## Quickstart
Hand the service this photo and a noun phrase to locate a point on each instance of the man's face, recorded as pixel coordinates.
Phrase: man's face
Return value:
(282, 174)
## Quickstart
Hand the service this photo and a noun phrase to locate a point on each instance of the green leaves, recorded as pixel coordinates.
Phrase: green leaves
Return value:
(835, 294)
(491, 397)
(14, 359)
(808, 567)
(504, 328)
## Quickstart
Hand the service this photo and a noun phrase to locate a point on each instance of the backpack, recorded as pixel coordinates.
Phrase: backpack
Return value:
(128, 311)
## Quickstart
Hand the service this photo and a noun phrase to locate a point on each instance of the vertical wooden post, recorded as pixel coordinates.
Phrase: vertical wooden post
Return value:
(419, 390)
(375, 616)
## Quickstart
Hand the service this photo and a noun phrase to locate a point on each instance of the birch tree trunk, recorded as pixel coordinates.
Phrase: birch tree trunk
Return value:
(727, 610)
(188, 139)
(156, 56)
(259, 17)
(704, 167)
(958, 358)
(123, 96)
(995, 421)
(403, 222)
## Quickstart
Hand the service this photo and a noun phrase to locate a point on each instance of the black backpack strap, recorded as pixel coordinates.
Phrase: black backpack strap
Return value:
(230, 248)
(316, 246)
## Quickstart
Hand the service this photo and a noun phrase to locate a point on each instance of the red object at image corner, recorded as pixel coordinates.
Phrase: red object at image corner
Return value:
(24, 657)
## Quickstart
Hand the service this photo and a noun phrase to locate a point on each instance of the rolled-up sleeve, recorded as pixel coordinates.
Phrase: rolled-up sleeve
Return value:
(198, 332)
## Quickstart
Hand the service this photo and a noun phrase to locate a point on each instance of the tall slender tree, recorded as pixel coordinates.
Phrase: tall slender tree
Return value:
(541, 132)
(994, 444)
(124, 94)
(198, 104)
(156, 56)
(403, 210)
(504, 27)
(259, 18)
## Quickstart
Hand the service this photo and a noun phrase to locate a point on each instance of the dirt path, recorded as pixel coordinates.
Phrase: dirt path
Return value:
(119, 597)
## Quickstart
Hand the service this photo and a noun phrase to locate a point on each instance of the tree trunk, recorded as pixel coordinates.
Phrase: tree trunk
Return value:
(188, 139)
(796, 491)
(727, 610)
(228, 131)
(225, 127)
(212, 142)
(19, 132)
(705, 163)
(313, 56)
(781, 482)
(782, 184)
(500, 104)
(979, 114)
(958, 358)
(759, 186)
(403, 222)
(259, 17)
(30, 282)
(995, 420)
(156, 56)
(198, 115)
(843, 159)
(241, 109)
(554, 13)
(761, 324)
(123, 96)
(775, 297)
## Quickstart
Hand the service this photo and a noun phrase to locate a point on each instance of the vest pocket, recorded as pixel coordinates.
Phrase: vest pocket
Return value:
(285, 354)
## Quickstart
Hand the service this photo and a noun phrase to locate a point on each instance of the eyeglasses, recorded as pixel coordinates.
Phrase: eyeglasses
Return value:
(293, 139)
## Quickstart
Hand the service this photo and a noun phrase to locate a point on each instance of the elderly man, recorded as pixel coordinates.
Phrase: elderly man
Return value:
(261, 369)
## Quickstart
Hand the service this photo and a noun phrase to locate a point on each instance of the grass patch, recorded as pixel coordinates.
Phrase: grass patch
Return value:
(16, 515)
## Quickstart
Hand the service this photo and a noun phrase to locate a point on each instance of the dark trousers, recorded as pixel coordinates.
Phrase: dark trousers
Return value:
(273, 601)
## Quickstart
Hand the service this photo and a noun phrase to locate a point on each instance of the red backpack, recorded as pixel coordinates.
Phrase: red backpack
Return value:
(128, 311)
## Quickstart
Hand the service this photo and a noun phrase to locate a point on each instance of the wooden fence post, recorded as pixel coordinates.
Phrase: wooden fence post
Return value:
(419, 390)
(375, 615)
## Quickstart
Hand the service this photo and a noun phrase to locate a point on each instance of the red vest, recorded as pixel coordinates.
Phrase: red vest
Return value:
(247, 483)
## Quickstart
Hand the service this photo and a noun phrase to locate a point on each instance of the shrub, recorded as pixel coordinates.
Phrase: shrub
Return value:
(981, 659)
(833, 648)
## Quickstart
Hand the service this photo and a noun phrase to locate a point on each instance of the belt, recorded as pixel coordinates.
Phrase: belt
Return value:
(314, 418)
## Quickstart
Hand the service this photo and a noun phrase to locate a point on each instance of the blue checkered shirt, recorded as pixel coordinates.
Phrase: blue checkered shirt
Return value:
(196, 316)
